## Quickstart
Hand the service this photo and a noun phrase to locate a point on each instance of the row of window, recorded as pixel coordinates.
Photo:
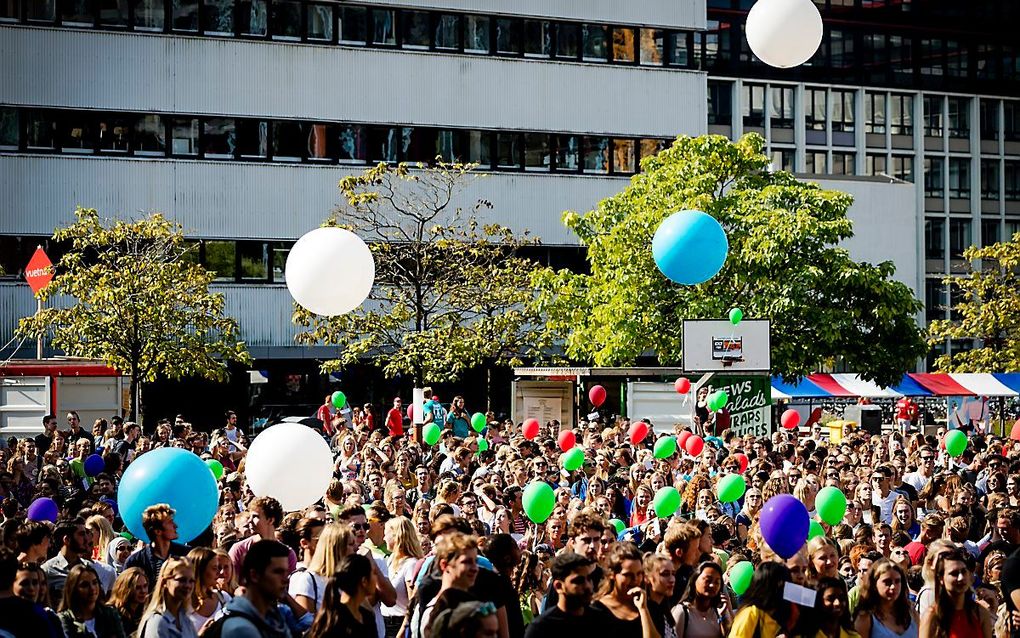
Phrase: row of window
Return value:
(950, 237)
(194, 137)
(362, 25)
(248, 261)
(883, 112)
(953, 175)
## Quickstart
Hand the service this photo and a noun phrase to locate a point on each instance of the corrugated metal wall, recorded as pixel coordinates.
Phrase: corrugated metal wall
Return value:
(271, 79)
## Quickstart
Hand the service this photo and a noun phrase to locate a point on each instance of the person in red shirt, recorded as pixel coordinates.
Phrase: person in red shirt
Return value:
(395, 418)
(906, 412)
(325, 414)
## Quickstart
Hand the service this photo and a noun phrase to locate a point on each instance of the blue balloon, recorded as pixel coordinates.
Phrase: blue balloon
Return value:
(173, 476)
(690, 247)
(94, 464)
(784, 524)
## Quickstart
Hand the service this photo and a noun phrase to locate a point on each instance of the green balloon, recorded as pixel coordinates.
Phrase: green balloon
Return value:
(539, 501)
(665, 447)
(718, 400)
(956, 442)
(478, 421)
(482, 445)
(126, 535)
(730, 488)
(736, 316)
(815, 529)
(216, 467)
(339, 400)
(431, 433)
(666, 502)
(572, 459)
(831, 505)
(740, 577)
(618, 525)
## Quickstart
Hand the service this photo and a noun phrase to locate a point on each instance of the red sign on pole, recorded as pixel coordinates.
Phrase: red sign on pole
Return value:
(39, 272)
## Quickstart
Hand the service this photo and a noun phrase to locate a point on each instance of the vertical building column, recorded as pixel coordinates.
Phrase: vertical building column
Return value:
(799, 128)
(860, 142)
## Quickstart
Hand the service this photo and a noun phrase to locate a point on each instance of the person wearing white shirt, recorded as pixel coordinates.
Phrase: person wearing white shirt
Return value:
(925, 469)
(308, 583)
(402, 539)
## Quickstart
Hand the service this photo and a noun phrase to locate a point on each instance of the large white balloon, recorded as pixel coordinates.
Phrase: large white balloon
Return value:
(784, 33)
(291, 463)
(330, 271)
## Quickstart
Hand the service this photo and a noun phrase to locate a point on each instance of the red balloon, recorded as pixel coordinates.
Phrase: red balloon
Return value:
(530, 429)
(681, 439)
(410, 412)
(638, 432)
(1015, 432)
(694, 445)
(682, 385)
(740, 456)
(567, 440)
(597, 395)
(790, 419)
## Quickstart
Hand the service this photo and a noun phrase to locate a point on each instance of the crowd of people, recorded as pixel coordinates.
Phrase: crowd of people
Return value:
(413, 540)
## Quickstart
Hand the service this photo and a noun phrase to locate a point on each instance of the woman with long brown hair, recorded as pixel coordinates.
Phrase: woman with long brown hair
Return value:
(955, 614)
(622, 595)
(129, 595)
(207, 600)
(884, 610)
(81, 614)
(342, 612)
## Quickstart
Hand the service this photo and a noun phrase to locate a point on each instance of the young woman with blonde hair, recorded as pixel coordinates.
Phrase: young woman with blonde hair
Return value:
(129, 595)
(167, 613)
(402, 539)
(207, 600)
(308, 584)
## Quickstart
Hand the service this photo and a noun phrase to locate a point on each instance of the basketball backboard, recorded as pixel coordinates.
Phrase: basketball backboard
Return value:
(711, 345)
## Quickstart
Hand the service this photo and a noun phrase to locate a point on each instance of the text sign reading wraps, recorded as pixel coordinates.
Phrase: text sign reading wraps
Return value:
(750, 403)
(39, 271)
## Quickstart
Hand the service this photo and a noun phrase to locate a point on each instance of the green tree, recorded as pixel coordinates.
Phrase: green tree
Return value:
(783, 265)
(138, 302)
(989, 310)
(451, 291)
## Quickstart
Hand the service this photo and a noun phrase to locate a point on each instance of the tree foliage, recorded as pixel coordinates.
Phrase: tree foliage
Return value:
(451, 292)
(138, 302)
(783, 265)
(989, 310)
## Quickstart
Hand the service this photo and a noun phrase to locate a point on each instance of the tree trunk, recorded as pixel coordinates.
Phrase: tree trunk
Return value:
(133, 401)
(488, 388)
(140, 407)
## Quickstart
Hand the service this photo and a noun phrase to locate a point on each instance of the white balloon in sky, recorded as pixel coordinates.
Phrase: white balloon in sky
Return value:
(330, 271)
(291, 463)
(784, 33)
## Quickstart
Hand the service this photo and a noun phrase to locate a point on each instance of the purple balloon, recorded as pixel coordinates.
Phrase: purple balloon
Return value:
(43, 509)
(94, 464)
(784, 524)
(112, 503)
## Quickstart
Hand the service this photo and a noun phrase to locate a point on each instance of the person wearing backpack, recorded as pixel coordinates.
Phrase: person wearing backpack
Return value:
(255, 614)
(308, 583)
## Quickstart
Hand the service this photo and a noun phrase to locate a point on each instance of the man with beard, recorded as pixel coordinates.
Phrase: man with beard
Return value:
(585, 539)
(572, 615)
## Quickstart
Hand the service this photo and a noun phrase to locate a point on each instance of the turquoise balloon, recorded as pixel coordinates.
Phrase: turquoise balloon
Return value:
(538, 500)
(690, 247)
(572, 459)
(740, 577)
(730, 488)
(666, 502)
(431, 433)
(173, 476)
(665, 447)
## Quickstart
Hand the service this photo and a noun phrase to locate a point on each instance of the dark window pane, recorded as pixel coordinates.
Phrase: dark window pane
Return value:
(959, 117)
(652, 46)
(989, 120)
(933, 116)
(286, 20)
(384, 27)
(219, 137)
(219, 258)
(415, 34)
(843, 111)
(568, 37)
(783, 160)
(537, 38)
(959, 177)
(508, 36)
(280, 252)
(754, 105)
(287, 141)
(251, 15)
(446, 145)
(76, 13)
(678, 50)
(10, 125)
(843, 163)
(595, 42)
(149, 15)
(1011, 173)
(253, 139)
(476, 34)
(933, 179)
(447, 31)
(814, 109)
(354, 25)
(596, 154)
(382, 143)
(184, 136)
(114, 131)
(218, 17)
(319, 141)
(9, 10)
(568, 153)
(351, 143)
(477, 148)
(720, 103)
(185, 15)
(76, 132)
(1011, 120)
(814, 162)
(874, 112)
(113, 13)
(903, 167)
(901, 114)
(254, 260)
(509, 145)
(781, 107)
(624, 44)
(319, 24)
(418, 144)
(41, 10)
(624, 156)
(150, 136)
(537, 151)
(990, 179)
